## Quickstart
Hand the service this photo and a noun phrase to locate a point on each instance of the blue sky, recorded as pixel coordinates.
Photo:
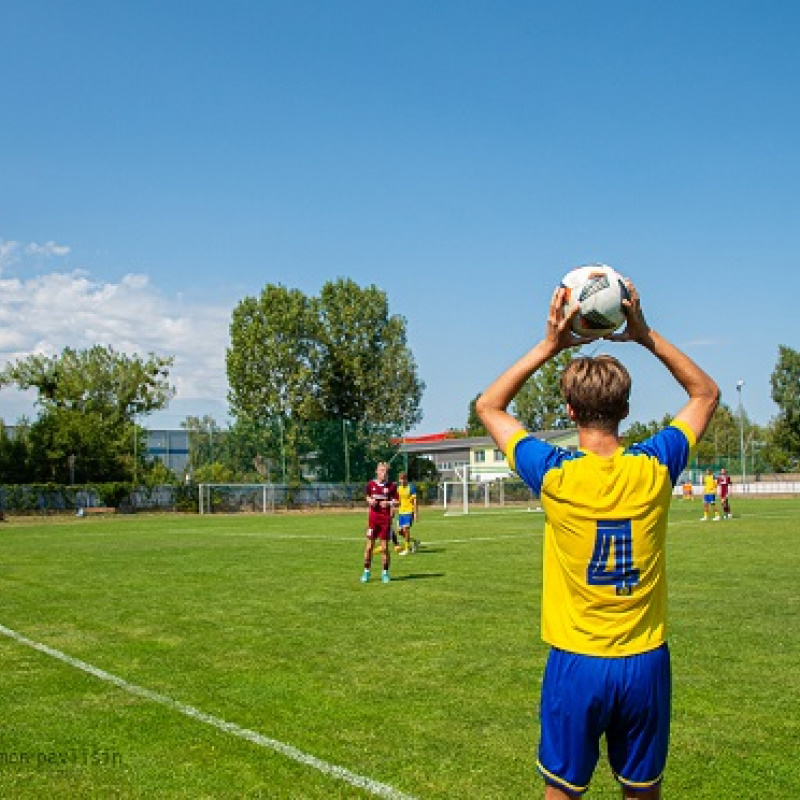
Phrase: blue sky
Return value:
(160, 161)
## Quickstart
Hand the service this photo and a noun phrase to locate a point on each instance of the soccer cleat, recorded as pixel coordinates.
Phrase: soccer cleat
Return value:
(716, 519)
(365, 576)
(703, 519)
(404, 552)
(385, 577)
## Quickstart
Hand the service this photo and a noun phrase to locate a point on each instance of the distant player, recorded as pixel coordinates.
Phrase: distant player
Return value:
(381, 499)
(724, 485)
(407, 513)
(709, 496)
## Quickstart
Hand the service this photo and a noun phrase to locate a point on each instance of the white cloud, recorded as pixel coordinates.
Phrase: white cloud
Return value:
(8, 251)
(47, 249)
(47, 312)
(12, 252)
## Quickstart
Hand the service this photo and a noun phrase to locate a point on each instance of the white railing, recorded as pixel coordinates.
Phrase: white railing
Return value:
(750, 488)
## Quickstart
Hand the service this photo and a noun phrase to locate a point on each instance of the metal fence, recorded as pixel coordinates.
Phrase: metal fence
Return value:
(270, 497)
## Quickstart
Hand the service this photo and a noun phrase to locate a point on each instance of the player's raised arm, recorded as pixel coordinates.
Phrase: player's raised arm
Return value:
(492, 404)
(702, 389)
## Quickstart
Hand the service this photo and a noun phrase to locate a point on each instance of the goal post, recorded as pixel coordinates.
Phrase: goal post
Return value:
(256, 498)
(462, 472)
(464, 496)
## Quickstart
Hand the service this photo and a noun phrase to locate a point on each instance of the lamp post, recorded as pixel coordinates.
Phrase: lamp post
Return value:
(346, 453)
(739, 386)
(135, 452)
(210, 423)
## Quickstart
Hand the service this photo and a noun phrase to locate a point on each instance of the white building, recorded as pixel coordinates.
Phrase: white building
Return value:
(486, 462)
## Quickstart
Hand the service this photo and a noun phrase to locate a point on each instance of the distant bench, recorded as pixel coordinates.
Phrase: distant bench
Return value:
(82, 512)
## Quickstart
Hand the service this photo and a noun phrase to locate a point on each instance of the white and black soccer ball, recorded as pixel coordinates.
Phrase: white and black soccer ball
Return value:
(599, 291)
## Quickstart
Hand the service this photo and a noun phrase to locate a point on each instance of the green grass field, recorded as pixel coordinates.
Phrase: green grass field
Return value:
(186, 651)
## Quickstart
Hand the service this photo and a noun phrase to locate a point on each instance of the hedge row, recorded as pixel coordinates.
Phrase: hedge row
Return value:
(43, 498)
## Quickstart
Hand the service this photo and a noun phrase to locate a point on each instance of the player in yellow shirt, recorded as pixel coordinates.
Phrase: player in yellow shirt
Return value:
(604, 586)
(709, 496)
(407, 513)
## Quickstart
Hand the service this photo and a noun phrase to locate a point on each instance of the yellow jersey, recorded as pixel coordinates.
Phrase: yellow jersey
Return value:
(408, 498)
(604, 590)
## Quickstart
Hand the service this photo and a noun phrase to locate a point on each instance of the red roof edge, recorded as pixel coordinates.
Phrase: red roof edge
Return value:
(430, 437)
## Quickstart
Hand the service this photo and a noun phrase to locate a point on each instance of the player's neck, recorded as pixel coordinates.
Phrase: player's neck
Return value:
(597, 441)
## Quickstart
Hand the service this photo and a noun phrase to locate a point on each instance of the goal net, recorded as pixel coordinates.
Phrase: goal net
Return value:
(229, 498)
(465, 496)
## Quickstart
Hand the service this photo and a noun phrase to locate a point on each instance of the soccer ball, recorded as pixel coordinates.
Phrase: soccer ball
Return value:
(599, 291)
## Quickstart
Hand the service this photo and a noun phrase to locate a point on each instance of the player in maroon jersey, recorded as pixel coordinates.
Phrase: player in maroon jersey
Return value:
(381, 500)
(724, 485)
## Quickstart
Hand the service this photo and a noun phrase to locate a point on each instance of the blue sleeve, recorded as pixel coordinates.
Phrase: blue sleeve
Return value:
(533, 459)
(669, 447)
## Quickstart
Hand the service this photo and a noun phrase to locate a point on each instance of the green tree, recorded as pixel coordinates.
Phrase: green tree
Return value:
(365, 369)
(272, 362)
(720, 442)
(157, 473)
(639, 431)
(89, 401)
(254, 451)
(272, 358)
(367, 378)
(784, 438)
(15, 453)
(539, 406)
(341, 357)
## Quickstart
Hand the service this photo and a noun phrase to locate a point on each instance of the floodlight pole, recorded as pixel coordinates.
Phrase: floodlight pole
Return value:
(346, 452)
(283, 449)
(739, 386)
(135, 452)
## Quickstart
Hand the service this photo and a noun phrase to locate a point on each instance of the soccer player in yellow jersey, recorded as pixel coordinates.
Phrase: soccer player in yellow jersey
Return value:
(709, 496)
(407, 512)
(604, 587)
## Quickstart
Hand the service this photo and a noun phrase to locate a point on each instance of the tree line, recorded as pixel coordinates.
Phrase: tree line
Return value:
(327, 380)
(320, 387)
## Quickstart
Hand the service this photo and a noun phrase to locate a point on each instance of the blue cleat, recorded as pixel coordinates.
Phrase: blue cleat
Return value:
(365, 576)
(385, 577)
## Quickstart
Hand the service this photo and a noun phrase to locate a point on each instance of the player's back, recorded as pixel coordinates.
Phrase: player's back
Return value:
(604, 589)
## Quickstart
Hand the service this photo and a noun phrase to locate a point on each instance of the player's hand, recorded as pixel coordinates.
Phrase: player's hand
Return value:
(558, 328)
(636, 328)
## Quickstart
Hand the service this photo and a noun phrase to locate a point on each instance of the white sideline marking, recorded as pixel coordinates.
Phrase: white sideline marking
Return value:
(373, 787)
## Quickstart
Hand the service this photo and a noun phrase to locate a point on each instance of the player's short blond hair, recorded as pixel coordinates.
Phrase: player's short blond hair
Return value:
(598, 391)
